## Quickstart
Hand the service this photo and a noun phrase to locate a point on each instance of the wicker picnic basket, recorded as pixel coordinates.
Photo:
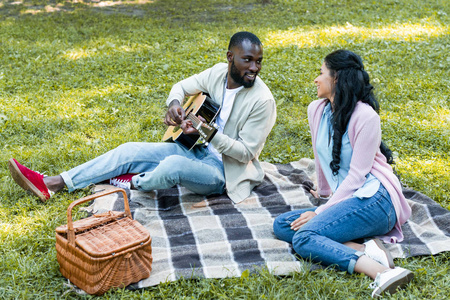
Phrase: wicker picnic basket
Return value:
(103, 251)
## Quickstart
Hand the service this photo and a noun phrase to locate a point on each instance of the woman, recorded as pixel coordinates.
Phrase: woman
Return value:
(365, 196)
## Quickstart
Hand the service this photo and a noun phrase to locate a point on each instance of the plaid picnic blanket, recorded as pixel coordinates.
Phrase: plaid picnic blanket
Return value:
(214, 238)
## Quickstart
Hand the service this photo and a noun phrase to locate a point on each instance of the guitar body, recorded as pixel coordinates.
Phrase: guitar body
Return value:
(198, 105)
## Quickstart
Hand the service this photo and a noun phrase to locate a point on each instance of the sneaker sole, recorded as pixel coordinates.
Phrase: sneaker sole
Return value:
(388, 254)
(23, 182)
(395, 283)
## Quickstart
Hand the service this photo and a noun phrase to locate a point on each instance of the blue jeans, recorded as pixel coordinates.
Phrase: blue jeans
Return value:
(158, 165)
(321, 238)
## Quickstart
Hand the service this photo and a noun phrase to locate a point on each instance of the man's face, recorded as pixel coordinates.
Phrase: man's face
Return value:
(244, 64)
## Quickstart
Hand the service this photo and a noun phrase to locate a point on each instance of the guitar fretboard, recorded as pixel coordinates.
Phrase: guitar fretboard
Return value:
(195, 120)
(203, 129)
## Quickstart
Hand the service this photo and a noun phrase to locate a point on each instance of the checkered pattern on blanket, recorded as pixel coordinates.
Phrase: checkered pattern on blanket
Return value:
(223, 239)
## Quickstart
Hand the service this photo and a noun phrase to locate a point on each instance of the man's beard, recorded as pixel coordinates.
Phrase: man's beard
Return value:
(236, 76)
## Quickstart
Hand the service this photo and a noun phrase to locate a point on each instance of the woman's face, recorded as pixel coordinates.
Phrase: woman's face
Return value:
(325, 83)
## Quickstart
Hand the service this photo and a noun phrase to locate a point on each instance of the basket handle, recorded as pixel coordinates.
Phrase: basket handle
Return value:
(71, 231)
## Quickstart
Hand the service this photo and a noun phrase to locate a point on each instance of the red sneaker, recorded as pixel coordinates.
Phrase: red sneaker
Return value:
(122, 181)
(29, 180)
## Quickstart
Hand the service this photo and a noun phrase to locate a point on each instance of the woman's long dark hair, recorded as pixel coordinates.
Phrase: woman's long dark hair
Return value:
(351, 85)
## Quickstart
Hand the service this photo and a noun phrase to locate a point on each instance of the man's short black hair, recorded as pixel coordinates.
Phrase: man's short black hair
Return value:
(238, 38)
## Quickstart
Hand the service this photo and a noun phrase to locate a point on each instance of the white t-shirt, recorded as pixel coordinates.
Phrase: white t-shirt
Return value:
(224, 114)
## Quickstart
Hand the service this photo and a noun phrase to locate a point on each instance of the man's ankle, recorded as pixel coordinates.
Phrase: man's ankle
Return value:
(54, 183)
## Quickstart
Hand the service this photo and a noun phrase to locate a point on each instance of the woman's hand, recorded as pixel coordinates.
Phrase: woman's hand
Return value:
(314, 193)
(317, 196)
(302, 220)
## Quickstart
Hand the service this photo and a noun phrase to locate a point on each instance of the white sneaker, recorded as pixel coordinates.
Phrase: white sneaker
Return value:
(376, 251)
(390, 280)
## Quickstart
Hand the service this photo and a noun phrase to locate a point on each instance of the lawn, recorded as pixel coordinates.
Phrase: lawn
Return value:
(79, 78)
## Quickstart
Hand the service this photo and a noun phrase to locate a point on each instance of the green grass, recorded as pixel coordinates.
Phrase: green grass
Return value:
(78, 79)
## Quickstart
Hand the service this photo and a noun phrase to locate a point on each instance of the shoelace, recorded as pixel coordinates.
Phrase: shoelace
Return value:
(42, 174)
(376, 282)
(120, 183)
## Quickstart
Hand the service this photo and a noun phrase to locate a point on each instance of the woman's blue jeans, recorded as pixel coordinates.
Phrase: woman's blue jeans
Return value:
(321, 238)
(158, 165)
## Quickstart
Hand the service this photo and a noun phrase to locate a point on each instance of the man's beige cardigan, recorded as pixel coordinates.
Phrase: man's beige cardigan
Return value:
(251, 120)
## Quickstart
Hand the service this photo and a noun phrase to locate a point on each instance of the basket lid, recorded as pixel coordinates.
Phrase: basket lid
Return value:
(92, 221)
(112, 238)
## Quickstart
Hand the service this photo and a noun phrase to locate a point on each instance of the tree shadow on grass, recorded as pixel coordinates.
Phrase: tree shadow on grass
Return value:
(271, 15)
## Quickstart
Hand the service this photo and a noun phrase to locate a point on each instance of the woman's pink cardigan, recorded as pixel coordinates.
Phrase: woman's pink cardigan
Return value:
(364, 132)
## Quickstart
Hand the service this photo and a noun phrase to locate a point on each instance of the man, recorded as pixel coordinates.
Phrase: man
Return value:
(229, 163)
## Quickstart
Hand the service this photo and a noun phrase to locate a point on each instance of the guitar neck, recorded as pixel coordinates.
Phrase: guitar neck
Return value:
(205, 130)
(195, 120)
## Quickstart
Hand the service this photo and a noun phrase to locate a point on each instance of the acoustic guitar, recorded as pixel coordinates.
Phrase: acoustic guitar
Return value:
(197, 105)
